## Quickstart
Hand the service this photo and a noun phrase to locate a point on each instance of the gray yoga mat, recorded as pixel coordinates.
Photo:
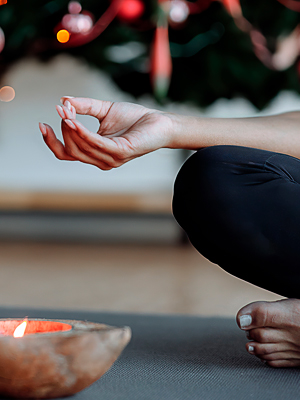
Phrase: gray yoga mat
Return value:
(180, 358)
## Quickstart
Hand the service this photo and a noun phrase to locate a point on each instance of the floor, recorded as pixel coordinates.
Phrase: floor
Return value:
(127, 278)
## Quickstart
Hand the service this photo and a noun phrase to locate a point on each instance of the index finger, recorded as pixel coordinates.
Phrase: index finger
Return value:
(86, 106)
(55, 145)
(97, 141)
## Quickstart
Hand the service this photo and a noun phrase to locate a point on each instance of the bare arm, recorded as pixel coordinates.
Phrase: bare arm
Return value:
(279, 133)
(128, 131)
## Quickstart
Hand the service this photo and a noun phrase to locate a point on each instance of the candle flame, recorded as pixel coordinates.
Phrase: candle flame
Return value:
(20, 330)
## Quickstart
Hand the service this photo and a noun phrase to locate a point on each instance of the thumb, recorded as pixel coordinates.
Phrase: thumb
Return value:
(87, 106)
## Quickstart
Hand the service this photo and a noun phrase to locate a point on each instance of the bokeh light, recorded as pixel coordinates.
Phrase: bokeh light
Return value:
(179, 11)
(74, 7)
(7, 93)
(2, 40)
(131, 9)
(77, 23)
(63, 36)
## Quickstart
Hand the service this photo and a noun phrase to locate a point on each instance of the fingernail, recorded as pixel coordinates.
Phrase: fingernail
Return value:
(43, 129)
(251, 349)
(70, 124)
(60, 111)
(263, 361)
(68, 105)
(62, 99)
(245, 320)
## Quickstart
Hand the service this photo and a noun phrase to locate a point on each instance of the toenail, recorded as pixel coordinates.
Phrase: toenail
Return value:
(245, 320)
(251, 349)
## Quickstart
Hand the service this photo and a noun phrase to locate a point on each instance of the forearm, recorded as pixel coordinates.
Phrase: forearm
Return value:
(279, 133)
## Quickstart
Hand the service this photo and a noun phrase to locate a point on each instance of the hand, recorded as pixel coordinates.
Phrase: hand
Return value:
(126, 131)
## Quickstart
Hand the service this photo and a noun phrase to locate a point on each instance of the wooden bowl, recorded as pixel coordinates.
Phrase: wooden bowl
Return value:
(56, 358)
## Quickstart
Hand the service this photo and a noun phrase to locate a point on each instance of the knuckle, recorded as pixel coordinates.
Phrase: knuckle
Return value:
(105, 108)
(271, 357)
(86, 149)
(71, 152)
(114, 164)
(104, 167)
(264, 315)
(119, 156)
(98, 145)
(89, 108)
(59, 156)
(260, 350)
(261, 336)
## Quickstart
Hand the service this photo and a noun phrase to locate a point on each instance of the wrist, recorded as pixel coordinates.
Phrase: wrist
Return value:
(185, 132)
(175, 130)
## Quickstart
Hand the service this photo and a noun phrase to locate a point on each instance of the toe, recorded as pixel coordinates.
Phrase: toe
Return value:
(284, 363)
(284, 355)
(274, 354)
(262, 349)
(276, 314)
(253, 315)
(268, 335)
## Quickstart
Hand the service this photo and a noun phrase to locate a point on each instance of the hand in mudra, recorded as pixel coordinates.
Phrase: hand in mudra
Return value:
(126, 131)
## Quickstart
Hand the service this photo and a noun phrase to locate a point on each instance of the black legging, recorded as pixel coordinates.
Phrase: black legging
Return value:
(240, 208)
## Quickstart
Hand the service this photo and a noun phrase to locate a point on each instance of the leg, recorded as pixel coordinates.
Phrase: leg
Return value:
(241, 209)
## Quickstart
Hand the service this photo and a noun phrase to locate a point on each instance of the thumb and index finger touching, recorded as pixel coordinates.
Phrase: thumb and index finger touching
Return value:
(97, 109)
(88, 106)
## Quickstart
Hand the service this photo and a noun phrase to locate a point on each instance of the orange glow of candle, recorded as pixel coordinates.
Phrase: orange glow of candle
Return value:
(63, 36)
(3, 2)
(20, 330)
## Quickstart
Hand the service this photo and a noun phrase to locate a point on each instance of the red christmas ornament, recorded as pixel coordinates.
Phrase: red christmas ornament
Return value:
(131, 9)
(161, 62)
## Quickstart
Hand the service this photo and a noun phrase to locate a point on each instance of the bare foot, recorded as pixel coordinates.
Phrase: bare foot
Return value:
(273, 329)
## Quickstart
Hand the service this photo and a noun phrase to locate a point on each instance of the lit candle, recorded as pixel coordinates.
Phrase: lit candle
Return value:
(55, 358)
(20, 330)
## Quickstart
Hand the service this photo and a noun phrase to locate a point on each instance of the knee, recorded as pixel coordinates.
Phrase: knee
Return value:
(200, 184)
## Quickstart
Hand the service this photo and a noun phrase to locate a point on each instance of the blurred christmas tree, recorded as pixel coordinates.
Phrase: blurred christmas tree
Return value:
(188, 50)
